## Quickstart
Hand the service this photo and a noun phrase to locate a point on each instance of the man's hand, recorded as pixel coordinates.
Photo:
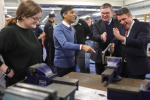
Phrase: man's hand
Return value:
(104, 36)
(11, 74)
(88, 49)
(74, 58)
(117, 35)
(112, 47)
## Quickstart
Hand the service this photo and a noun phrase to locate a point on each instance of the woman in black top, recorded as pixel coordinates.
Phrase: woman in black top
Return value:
(19, 46)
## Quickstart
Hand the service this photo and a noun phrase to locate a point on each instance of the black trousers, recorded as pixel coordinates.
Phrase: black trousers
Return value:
(99, 67)
(50, 50)
(63, 71)
(125, 73)
(80, 60)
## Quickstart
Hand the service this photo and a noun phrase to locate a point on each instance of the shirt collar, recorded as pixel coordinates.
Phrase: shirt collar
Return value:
(66, 24)
(109, 21)
(131, 26)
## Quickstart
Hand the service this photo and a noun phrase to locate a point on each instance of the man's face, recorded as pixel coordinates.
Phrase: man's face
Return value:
(6, 20)
(53, 19)
(88, 22)
(114, 16)
(70, 16)
(125, 20)
(106, 14)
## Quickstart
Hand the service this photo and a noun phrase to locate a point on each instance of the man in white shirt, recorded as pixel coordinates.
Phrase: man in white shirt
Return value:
(66, 44)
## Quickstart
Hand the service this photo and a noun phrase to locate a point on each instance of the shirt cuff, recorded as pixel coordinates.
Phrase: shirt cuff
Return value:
(80, 46)
(1, 63)
(124, 41)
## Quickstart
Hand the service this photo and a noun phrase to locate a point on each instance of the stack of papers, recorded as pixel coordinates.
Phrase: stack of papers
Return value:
(84, 93)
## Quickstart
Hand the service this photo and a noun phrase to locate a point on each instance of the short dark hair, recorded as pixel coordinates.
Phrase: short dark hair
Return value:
(51, 15)
(115, 12)
(106, 5)
(65, 10)
(123, 11)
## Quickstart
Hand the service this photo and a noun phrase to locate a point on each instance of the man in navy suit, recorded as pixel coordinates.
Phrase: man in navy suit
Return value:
(133, 37)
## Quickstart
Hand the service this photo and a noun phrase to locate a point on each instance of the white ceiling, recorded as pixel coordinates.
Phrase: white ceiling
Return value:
(46, 4)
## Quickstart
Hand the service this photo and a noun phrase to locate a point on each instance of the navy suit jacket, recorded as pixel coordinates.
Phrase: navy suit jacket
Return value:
(135, 48)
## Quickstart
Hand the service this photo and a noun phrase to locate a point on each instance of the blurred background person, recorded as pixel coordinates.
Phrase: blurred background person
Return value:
(89, 41)
(82, 30)
(115, 15)
(6, 18)
(39, 34)
(49, 41)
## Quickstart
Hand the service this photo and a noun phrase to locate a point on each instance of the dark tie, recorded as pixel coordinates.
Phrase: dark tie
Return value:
(126, 33)
(106, 23)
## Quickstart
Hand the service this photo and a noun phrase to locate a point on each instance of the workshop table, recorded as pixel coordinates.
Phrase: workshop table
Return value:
(94, 81)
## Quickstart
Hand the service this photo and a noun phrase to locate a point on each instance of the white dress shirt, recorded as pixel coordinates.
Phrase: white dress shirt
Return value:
(128, 32)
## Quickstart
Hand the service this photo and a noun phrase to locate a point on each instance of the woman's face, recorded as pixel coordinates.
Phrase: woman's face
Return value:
(30, 22)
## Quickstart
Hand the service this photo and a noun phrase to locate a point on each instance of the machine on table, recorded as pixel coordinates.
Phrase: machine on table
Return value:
(111, 72)
(42, 84)
(120, 92)
(23, 91)
(41, 74)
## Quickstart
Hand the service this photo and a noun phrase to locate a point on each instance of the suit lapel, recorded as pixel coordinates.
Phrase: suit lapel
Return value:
(102, 27)
(122, 31)
(134, 27)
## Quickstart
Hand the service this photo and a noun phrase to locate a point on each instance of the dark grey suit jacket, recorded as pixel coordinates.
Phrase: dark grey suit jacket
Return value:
(98, 29)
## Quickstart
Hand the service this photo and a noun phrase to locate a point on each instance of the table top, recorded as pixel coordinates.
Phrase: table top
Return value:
(94, 81)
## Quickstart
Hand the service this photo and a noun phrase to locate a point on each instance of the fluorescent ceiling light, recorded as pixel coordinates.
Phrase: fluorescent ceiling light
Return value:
(9, 15)
(11, 7)
(140, 18)
(58, 8)
(52, 12)
(45, 18)
(83, 17)
(96, 14)
(147, 16)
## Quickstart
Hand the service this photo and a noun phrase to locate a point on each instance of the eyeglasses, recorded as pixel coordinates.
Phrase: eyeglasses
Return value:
(105, 13)
(36, 19)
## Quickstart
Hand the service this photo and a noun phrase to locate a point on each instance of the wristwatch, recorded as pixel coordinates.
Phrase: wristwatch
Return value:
(8, 70)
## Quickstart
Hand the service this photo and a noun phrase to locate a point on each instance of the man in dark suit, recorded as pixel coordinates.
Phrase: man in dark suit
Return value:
(103, 35)
(133, 37)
